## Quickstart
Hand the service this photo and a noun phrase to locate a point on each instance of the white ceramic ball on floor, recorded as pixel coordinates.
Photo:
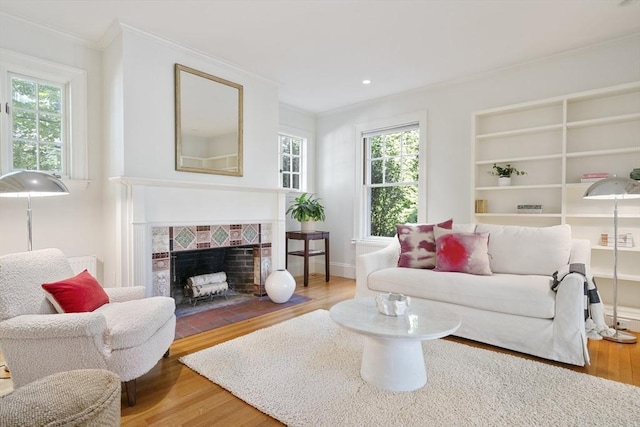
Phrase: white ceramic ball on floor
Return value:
(280, 286)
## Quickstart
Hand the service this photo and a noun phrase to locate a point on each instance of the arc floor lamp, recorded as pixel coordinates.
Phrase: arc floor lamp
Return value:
(615, 189)
(31, 184)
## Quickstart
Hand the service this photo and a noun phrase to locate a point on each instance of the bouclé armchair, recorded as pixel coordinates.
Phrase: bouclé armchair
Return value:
(127, 336)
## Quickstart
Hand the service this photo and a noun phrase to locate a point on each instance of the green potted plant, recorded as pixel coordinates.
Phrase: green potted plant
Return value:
(504, 173)
(306, 208)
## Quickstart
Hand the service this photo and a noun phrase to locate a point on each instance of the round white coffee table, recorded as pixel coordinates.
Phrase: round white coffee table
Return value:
(392, 356)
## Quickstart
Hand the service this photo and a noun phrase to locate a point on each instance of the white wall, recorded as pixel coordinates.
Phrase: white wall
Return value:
(450, 109)
(72, 223)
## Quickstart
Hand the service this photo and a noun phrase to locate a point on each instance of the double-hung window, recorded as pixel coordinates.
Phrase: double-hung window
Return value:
(391, 181)
(38, 117)
(292, 160)
(391, 178)
(44, 116)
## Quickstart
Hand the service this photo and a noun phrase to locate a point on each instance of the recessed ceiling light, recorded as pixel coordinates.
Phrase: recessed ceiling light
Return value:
(366, 82)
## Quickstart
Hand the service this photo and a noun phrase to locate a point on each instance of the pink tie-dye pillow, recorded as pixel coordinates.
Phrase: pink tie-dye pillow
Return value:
(463, 252)
(418, 244)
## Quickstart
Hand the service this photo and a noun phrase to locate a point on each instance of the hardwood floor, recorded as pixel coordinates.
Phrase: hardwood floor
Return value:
(173, 395)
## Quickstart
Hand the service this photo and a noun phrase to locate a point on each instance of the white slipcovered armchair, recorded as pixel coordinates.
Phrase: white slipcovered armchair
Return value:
(126, 336)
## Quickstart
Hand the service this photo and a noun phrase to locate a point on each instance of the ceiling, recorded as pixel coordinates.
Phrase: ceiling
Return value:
(320, 51)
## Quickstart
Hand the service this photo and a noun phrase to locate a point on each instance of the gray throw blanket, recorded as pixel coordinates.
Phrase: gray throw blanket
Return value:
(595, 326)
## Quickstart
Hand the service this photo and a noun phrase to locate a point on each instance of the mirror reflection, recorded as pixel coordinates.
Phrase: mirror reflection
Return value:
(208, 123)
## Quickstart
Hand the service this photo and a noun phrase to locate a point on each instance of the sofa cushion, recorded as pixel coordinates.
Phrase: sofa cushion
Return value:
(78, 294)
(462, 252)
(529, 295)
(527, 250)
(418, 244)
(132, 323)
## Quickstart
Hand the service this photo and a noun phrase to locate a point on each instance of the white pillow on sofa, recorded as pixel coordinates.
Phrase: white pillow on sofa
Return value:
(527, 250)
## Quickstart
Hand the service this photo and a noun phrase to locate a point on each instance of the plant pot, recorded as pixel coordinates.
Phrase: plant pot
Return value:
(307, 226)
(504, 181)
(280, 286)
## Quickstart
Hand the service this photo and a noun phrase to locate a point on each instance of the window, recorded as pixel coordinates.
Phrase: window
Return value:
(391, 178)
(44, 116)
(37, 117)
(291, 149)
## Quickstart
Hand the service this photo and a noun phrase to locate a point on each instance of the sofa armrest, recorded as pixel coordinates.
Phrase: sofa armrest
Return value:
(580, 251)
(569, 322)
(48, 326)
(366, 264)
(125, 294)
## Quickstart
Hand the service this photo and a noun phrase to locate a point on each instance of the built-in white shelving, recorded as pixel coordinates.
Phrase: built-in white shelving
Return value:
(556, 141)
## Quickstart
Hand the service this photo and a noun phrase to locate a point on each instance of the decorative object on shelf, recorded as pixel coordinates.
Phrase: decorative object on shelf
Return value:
(482, 206)
(529, 209)
(593, 177)
(625, 240)
(614, 189)
(280, 286)
(504, 173)
(31, 184)
(306, 208)
(635, 174)
(393, 304)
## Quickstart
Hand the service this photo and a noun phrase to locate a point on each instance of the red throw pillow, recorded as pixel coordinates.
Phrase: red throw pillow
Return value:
(77, 294)
(463, 252)
(418, 244)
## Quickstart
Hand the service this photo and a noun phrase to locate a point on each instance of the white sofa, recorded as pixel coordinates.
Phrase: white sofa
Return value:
(513, 308)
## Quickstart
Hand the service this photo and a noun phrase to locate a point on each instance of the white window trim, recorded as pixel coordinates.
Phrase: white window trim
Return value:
(304, 154)
(359, 219)
(76, 80)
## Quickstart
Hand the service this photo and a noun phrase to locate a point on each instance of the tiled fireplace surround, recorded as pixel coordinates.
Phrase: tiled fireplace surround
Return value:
(167, 240)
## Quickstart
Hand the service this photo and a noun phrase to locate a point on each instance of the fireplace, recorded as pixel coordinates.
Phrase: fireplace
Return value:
(243, 251)
(237, 263)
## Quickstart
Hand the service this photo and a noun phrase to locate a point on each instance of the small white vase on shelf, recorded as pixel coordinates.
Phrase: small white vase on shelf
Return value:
(280, 286)
(504, 181)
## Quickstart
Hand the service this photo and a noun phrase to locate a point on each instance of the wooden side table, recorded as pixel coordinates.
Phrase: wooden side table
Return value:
(306, 253)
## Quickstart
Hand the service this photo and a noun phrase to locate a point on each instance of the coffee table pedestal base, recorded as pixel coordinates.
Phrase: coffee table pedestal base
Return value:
(393, 364)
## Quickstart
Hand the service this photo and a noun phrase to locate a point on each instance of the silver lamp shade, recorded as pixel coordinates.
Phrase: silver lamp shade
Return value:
(31, 183)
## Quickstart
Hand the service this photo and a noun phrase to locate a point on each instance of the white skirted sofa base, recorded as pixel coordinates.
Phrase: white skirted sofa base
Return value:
(514, 308)
(127, 336)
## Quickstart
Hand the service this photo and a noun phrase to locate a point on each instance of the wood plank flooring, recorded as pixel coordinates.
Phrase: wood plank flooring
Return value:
(173, 395)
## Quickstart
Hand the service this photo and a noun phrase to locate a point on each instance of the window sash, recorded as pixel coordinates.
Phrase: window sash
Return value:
(291, 159)
(58, 148)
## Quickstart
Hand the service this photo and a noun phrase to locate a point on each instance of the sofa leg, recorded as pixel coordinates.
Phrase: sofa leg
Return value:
(166, 353)
(130, 387)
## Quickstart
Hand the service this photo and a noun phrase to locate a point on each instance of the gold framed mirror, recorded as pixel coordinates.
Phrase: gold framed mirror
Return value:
(208, 123)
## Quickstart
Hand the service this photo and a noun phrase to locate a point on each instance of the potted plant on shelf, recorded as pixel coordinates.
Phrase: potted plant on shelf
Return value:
(504, 173)
(306, 208)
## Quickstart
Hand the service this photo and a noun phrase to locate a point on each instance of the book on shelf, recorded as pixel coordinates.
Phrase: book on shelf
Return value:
(529, 209)
(625, 240)
(593, 176)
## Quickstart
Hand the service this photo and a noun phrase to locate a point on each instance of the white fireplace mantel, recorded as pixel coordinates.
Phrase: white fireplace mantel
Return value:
(144, 203)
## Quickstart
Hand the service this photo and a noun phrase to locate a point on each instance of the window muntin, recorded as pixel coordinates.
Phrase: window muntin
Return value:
(38, 137)
(391, 178)
(291, 149)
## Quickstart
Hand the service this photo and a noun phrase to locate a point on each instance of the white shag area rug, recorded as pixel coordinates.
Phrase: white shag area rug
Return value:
(306, 372)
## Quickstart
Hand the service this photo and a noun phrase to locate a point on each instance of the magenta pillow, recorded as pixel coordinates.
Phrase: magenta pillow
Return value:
(418, 244)
(463, 252)
(77, 294)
